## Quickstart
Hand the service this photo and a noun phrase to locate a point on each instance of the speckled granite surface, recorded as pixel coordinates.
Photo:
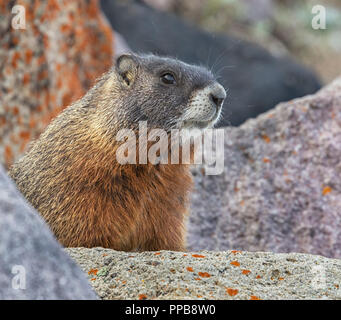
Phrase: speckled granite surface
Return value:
(64, 47)
(281, 187)
(209, 275)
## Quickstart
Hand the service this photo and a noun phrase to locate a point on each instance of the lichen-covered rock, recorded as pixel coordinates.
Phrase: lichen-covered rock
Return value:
(281, 187)
(32, 263)
(43, 68)
(209, 275)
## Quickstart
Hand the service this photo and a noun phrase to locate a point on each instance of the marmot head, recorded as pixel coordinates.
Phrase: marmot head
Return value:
(167, 93)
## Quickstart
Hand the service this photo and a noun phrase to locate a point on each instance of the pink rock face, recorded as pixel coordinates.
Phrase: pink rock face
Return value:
(64, 47)
(281, 188)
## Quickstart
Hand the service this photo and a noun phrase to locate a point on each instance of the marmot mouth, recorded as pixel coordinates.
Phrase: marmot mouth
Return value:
(201, 124)
(198, 124)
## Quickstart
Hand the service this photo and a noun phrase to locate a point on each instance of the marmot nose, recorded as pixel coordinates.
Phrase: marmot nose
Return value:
(217, 95)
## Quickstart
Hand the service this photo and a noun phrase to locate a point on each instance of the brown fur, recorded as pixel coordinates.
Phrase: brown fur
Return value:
(95, 201)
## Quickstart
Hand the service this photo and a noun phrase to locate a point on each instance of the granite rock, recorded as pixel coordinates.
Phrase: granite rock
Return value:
(209, 275)
(281, 186)
(32, 263)
(63, 47)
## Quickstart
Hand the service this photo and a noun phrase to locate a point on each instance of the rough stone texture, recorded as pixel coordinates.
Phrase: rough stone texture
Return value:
(209, 275)
(66, 45)
(281, 187)
(256, 80)
(26, 241)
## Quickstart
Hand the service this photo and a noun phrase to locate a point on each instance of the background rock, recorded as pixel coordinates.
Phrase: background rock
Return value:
(269, 23)
(209, 275)
(26, 241)
(256, 80)
(65, 46)
(281, 187)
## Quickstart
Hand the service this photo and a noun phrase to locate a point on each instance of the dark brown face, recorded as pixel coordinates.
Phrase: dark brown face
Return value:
(168, 93)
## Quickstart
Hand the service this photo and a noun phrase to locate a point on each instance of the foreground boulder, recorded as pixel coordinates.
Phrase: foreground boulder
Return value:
(209, 275)
(63, 48)
(32, 263)
(281, 187)
(256, 80)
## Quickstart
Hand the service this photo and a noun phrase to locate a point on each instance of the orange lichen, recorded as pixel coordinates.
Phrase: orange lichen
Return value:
(258, 276)
(28, 56)
(15, 40)
(157, 253)
(197, 256)
(15, 111)
(232, 292)
(25, 135)
(93, 271)
(26, 78)
(266, 160)
(65, 28)
(246, 272)
(22, 147)
(41, 60)
(326, 190)
(280, 279)
(204, 274)
(142, 296)
(8, 154)
(255, 298)
(235, 263)
(79, 63)
(266, 138)
(235, 251)
(15, 58)
(190, 269)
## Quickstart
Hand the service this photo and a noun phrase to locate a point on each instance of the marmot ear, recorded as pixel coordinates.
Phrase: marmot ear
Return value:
(126, 66)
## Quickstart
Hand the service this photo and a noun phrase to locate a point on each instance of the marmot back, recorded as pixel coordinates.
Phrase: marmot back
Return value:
(71, 174)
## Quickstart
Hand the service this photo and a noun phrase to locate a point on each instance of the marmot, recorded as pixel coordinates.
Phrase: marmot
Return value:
(70, 174)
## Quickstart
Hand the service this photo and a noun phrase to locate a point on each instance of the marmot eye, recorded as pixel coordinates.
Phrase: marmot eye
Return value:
(168, 78)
